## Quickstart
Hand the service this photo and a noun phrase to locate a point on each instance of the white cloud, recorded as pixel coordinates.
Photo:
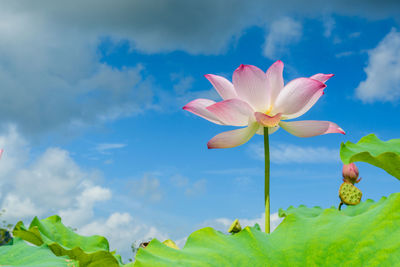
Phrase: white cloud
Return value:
(16, 151)
(49, 51)
(197, 188)
(182, 83)
(344, 54)
(302, 173)
(355, 34)
(121, 231)
(148, 187)
(82, 208)
(288, 153)
(60, 68)
(237, 171)
(329, 25)
(191, 189)
(104, 147)
(52, 182)
(108, 161)
(223, 224)
(167, 25)
(242, 181)
(51, 179)
(179, 180)
(383, 71)
(43, 185)
(282, 32)
(18, 207)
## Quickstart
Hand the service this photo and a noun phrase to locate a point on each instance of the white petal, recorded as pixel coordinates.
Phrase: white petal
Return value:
(271, 130)
(322, 77)
(275, 80)
(233, 138)
(296, 95)
(251, 86)
(310, 128)
(233, 112)
(224, 87)
(306, 107)
(198, 107)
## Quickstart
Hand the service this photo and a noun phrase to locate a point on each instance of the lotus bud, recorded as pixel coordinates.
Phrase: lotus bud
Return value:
(235, 227)
(170, 244)
(350, 173)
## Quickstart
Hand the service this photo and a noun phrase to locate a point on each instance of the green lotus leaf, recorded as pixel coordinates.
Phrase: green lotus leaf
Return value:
(91, 251)
(367, 234)
(385, 155)
(23, 255)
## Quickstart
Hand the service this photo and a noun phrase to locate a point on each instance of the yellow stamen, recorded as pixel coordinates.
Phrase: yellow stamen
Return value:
(269, 110)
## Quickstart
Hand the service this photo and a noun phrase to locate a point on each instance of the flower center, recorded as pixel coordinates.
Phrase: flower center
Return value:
(269, 109)
(266, 120)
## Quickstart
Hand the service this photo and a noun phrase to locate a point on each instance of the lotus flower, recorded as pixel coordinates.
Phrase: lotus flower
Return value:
(257, 100)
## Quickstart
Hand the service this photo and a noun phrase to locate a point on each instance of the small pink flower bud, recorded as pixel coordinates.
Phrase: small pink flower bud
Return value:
(350, 173)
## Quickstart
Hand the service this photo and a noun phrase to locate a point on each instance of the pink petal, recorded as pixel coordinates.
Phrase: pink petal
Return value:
(267, 121)
(275, 80)
(306, 107)
(322, 77)
(198, 107)
(232, 112)
(251, 86)
(233, 138)
(296, 95)
(260, 131)
(310, 128)
(224, 87)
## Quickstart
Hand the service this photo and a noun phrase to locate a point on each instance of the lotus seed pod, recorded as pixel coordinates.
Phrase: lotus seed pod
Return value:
(235, 227)
(350, 173)
(170, 244)
(349, 194)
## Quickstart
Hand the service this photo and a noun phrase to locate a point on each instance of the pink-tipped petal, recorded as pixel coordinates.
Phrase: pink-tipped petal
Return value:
(306, 107)
(267, 121)
(310, 128)
(275, 80)
(296, 95)
(251, 86)
(322, 77)
(224, 87)
(233, 112)
(198, 107)
(271, 130)
(233, 138)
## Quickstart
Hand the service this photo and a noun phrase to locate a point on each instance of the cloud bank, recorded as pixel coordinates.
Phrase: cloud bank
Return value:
(288, 153)
(52, 75)
(53, 183)
(383, 71)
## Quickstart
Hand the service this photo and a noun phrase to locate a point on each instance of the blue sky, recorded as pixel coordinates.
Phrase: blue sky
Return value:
(92, 122)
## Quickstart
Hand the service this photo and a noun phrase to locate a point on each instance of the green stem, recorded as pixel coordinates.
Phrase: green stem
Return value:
(266, 191)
